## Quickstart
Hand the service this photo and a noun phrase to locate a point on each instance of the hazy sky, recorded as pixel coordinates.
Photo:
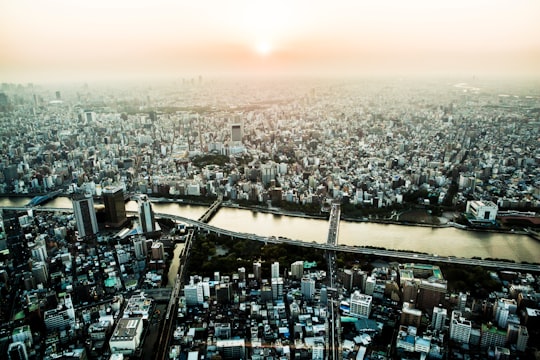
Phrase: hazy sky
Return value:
(85, 39)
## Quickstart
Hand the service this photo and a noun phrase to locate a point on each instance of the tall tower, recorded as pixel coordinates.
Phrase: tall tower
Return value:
(275, 270)
(115, 207)
(146, 215)
(85, 215)
(236, 132)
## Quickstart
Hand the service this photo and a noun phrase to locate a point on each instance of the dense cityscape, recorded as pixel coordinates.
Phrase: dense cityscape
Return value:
(96, 281)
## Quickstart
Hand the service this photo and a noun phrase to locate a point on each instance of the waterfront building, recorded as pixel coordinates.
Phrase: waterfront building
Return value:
(481, 211)
(146, 215)
(85, 215)
(115, 206)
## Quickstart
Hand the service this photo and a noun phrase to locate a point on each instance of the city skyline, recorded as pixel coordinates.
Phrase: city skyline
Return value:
(74, 41)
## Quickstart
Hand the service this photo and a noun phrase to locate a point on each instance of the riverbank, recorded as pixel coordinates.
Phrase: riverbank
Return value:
(448, 224)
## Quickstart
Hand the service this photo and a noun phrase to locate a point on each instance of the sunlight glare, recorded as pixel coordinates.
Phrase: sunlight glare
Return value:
(263, 48)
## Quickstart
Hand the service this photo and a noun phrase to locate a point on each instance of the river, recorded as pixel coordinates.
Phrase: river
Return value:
(441, 241)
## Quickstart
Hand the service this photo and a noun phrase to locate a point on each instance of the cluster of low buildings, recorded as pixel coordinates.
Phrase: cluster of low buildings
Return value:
(370, 143)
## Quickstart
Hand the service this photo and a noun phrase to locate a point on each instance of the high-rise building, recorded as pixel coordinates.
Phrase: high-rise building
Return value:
(115, 206)
(17, 351)
(158, 252)
(460, 328)
(439, 318)
(242, 274)
(360, 305)
(85, 215)
(236, 132)
(297, 269)
(462, 302)
(503, 308)
(146, 215)
(40, 272)
(194, 294)
(257, 273)
(308, 287)
(522, 339)
(277, 288)
(370, 285)
(139, 245)
(275, 270)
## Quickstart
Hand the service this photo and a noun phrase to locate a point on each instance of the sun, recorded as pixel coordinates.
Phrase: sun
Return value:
(263, 48)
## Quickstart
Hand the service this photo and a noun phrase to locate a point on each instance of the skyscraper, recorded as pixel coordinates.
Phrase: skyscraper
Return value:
(297, 269)
(275, 270)
(115, 206)
(307, 288)
(85, 215)
(146, 215)
(236, 132)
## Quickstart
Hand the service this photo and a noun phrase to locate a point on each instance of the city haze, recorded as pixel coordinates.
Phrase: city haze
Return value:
(84, 41)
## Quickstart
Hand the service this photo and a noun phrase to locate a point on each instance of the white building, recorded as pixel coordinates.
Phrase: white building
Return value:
(460, 328)
(232, 348)
(482, 210)
(275, 270)
(126, 337)
(360, 304)
(62, 317)
(297, 269)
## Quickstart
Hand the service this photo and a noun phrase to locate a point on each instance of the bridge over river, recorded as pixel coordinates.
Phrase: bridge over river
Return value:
(331, 244)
